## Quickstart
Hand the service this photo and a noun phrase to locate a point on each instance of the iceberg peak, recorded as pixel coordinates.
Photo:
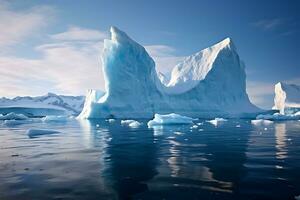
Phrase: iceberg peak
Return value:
(118, 36)
(226, 43)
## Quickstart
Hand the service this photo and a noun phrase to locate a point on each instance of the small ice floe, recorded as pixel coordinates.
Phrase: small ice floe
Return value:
(200, 123)
(238, 126)
(194, 127)
(260, 122)
(169, 119)
(201, 129)
(32, 133)
(55, 118)
(13, 116)
(131, 123)
(217, 121)
(97, 125)
(111, 120)
(297, 197)
(178, 133)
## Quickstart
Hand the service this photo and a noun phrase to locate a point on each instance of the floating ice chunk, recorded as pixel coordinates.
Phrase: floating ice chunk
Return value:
(216, 121)
(200, 123)
(111, 120)
(238, 126)
(278, 116)
(169, 119)
(32, 133)
(131, 123)
(53, 118)
(259, 122)
(134, 124)
(201, 129)
(194, 127)
(14, 122)
(13, 116)
(297, 197)
(178, 133)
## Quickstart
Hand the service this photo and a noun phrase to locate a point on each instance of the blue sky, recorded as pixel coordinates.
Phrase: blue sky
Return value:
(55, 46)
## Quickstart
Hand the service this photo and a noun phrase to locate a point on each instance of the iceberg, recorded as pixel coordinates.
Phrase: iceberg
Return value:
(287, 98)
(210, 83)
(169, 119)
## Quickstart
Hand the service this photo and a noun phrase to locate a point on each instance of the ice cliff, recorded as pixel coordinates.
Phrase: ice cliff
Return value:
(210, 83)
(287, 98)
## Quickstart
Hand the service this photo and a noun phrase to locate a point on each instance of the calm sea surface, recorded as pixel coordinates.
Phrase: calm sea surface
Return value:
(102, 160)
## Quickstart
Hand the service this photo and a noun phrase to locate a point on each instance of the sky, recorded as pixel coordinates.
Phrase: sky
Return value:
(55, 45)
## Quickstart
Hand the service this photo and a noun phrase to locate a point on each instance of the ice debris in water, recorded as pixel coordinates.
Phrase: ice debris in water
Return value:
(278, 116)
(259, 122)
(131, 123)
(216, 121)
(194, 127)
(111, 120)
(13, 116)
(53, 118)
(169, 119)
(38, 132)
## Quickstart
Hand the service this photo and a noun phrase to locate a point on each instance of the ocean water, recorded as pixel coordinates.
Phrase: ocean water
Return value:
(102, 160)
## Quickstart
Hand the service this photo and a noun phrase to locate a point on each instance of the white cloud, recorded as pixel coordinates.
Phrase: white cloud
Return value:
(70, 65)
(81, 34)
(18, 25)
(269, 24)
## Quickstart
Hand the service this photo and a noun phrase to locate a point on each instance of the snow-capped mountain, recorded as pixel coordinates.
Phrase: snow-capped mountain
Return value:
(211, 83)
(287, 97)
(40, 105)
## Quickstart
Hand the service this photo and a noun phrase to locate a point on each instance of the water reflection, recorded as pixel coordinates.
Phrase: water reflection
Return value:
(130, 157)
(197, 163)
(280, 134)
(102, 160)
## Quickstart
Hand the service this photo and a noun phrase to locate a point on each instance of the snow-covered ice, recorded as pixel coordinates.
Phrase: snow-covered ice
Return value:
(169, 119)
(13, 116)
(217, 121)
(49, 104)
(260, 122)
(209, 83)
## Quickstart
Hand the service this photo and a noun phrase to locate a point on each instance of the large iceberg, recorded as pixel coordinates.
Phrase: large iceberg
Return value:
(210, 83)
(287, 98)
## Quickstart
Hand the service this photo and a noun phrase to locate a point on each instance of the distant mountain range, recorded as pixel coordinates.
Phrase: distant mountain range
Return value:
(43, 105)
